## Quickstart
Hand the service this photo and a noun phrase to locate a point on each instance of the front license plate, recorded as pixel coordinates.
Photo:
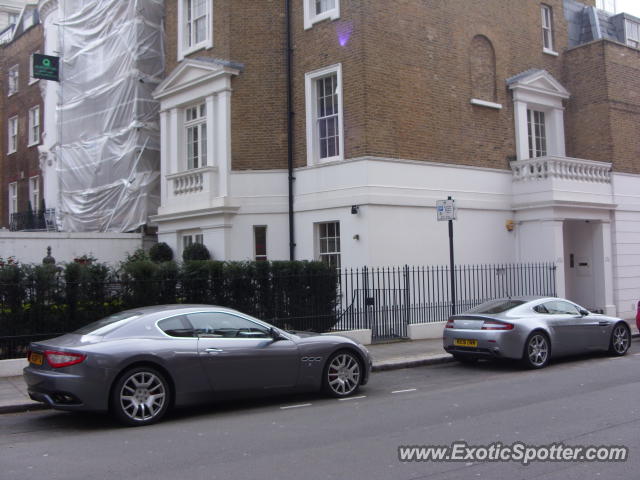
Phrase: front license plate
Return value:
(465, 342)
(36, 358)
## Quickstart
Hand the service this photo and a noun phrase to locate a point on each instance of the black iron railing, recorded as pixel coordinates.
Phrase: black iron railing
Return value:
(40, 220)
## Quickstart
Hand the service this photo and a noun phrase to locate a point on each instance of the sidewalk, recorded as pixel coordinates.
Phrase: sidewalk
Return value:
(386, 356)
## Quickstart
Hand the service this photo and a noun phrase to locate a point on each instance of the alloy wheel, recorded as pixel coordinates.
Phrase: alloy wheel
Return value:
(343, 374)
(143, 396)
(620, 339)
(538, 350)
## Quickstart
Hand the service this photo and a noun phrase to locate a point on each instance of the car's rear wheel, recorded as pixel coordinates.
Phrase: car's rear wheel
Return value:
(140, 396)
(342, 374)
(537, 350)
(620, 340)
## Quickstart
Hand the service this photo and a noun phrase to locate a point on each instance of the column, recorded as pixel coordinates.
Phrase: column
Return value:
(223, 145)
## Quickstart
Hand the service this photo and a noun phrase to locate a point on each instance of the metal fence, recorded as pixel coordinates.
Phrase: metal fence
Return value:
(385, 300)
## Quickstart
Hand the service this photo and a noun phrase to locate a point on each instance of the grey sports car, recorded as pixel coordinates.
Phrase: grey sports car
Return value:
(138, 363)
(534, 330)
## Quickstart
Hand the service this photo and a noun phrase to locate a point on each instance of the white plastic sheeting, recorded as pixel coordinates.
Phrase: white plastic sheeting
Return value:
(109, 138)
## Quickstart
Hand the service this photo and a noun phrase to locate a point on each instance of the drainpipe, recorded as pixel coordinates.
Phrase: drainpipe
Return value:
(292, 243)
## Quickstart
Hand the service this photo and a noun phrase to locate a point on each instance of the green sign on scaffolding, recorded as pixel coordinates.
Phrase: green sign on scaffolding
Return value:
(46, 67)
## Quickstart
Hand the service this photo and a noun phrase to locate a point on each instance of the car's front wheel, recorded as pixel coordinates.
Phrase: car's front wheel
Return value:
(342, 374)
(620, 340)
(537, 350)
(140, 396)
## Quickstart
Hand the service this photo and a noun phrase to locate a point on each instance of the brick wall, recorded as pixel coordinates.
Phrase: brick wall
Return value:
(24, 163)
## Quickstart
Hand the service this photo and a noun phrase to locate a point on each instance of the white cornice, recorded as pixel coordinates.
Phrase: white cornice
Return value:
(45, 7)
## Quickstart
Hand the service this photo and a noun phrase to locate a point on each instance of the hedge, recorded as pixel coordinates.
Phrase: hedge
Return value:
(45, 300)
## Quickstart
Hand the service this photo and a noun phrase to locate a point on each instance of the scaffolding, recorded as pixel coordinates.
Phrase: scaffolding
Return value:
(108, 148)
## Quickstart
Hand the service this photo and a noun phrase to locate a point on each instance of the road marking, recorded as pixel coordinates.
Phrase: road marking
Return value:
(351, 398)
(404, 391)
(295, 406)
(636, 354)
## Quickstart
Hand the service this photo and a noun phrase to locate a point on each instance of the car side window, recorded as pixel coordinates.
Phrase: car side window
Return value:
(559, 307)
(176, 327)
(540, 309)
(225, 325)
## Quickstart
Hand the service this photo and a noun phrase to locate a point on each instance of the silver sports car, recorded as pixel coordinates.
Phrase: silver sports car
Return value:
(139, 363)
(534, 330)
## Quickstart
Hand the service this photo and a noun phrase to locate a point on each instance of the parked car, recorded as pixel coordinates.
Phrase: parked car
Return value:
(534, 330)
(139, 363)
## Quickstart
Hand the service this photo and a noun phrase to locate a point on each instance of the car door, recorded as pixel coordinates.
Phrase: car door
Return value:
(571, 330)
(239, 354)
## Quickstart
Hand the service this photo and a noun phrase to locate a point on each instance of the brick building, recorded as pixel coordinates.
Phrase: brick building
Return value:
(21, 120)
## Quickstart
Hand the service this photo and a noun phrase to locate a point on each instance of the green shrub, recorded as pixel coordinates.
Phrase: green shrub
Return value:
(160, 252)
(195, 251)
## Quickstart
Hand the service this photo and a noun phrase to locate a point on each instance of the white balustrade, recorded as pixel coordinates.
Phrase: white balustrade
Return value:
(561, 168)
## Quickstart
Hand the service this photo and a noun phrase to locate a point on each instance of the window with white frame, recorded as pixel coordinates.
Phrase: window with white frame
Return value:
(194, 27)
(260, 242)
(12, 135)
(536, 133)
(13, 198)
(31, 78)
(323, 92)
(329, 243)
(318, 10)
(632, 33)
(195, 124)
(34, 125)
(608, 5)
(12, 78)
(34, 193)
(547, 28)
(13, 18)
(190, 238)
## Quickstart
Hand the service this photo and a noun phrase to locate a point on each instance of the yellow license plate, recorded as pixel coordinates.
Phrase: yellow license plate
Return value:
(464, 342)
(36, 358)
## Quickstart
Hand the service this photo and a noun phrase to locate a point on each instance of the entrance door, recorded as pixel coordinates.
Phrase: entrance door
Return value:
(583, 255)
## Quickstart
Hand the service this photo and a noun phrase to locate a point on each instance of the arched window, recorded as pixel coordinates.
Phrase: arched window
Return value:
(482, 62)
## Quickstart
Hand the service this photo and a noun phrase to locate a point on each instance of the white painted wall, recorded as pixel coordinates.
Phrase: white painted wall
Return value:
(31, 247)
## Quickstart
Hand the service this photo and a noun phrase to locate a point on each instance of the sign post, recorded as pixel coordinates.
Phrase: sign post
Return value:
(446, 210)
(46, 67)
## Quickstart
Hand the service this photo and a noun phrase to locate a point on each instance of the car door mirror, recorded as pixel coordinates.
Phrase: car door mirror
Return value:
(583, 312)
(275, 334)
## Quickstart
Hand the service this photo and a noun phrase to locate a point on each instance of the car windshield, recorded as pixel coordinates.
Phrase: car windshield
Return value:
(107, 324)
(496, 306)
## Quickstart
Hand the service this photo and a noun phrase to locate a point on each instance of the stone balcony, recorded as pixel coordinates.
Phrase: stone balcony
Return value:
(554, 180)
(191, 189)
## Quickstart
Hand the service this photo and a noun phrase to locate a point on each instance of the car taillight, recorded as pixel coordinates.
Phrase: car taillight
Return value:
(492, 325)
(449, 324)
(63, 359)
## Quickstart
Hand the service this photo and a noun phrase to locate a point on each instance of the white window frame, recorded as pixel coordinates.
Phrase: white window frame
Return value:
(13, 79)
(13, 198)
(537, 129)
(198, 124)
(187, 238)
(256, 256)
(32, 80)
(185, 48)
(548, 40)
(632, 33)
(607, 5)
(12, 135)
(311, 106)
(311, 17)
(323, 238)
(34, 193)
(34, 125)
(12, 18)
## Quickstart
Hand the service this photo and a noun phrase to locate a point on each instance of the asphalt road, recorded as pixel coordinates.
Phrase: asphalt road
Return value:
(579, 401)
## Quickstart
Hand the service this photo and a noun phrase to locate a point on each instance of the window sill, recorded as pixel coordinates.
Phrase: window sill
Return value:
(332, 14)
(550, 52)
(484, 103)
(34, 144)
(31, 82)
(201, 46)
(11, 153)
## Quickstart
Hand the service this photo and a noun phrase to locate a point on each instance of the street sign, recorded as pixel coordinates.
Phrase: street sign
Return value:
(46, 67)
(446, 210)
